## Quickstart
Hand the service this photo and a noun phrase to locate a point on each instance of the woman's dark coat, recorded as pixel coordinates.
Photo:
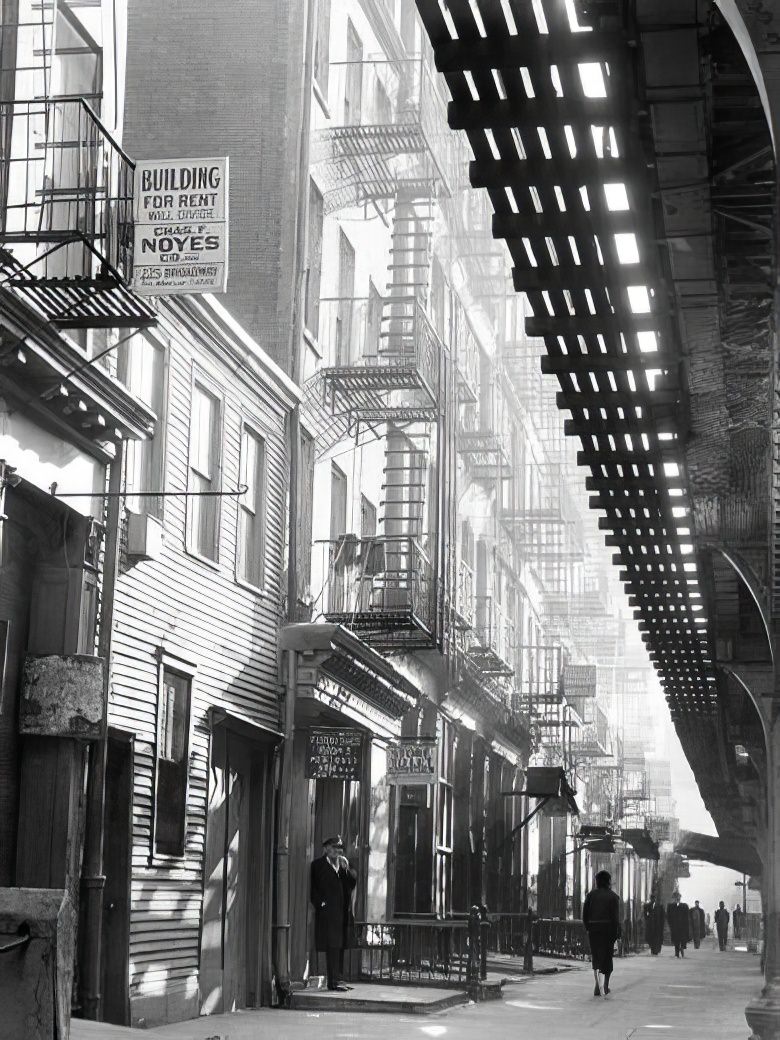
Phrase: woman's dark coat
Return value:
(331, 897)
(601, 917)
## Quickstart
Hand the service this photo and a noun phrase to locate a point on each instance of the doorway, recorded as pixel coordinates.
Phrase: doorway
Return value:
(235, 950)
(117, 849)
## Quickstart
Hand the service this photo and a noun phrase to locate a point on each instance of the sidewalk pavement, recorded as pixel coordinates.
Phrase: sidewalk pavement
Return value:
(701, 997)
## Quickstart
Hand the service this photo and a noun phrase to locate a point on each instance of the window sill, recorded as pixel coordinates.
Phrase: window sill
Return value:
(157, 860)
(205, 560)
(321, 99)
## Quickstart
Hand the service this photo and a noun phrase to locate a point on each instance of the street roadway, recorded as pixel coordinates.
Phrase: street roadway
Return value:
(653, 998)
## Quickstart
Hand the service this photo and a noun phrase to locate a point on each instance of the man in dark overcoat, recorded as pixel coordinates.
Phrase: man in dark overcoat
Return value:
(698, 926)
(678, 915)
(332, 882)
(654, 925)
(722, 925)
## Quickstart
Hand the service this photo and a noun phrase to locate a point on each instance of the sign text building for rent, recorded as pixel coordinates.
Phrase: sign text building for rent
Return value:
(181, 226)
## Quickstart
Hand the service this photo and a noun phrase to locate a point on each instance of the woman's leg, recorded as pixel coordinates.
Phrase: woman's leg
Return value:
(597, 987)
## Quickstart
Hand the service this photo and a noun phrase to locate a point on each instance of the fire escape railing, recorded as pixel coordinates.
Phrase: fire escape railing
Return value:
(66, 199)
(387, 127)
(381, 586)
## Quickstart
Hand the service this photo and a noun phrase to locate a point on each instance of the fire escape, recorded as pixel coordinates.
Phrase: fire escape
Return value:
(388, 373)
(66, 230)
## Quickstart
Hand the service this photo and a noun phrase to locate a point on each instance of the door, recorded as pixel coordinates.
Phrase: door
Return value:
(117, 849)
(235, 950)
(337, 810)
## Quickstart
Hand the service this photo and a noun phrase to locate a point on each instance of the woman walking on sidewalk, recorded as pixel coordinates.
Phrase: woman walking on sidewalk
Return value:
(601, 917)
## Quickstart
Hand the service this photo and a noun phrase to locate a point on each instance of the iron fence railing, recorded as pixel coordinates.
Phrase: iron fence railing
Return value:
(414, 951)
(65, 186)
(550, 937)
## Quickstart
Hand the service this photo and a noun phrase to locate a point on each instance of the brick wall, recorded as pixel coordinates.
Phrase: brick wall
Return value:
(205, 79)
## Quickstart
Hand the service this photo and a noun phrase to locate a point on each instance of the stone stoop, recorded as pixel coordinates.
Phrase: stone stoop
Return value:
(379, 998)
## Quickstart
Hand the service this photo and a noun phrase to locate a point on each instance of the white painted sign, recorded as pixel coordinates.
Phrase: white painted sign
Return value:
(180, 210)
(413, 760)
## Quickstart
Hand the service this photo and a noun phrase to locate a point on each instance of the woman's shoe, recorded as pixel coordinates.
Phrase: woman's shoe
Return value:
(596, 991)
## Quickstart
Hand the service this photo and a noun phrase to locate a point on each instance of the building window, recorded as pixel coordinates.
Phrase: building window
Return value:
(353, 86)
(204, 473)
(316, 219)
(338, 502)
(367, 518)
(322, 47)
(173, 748)
(142, 370)
(251, 535)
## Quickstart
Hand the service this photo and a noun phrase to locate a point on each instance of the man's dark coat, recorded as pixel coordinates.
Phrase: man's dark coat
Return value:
(722, 921)
(698, 924)
(331, 897)
(678, 915)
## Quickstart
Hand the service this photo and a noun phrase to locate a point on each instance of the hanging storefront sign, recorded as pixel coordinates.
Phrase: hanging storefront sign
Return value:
(413, 760)
(334, 754)
(580, 680)
(180, 210)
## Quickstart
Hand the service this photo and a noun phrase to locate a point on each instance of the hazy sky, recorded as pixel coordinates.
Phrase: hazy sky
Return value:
(690, 808)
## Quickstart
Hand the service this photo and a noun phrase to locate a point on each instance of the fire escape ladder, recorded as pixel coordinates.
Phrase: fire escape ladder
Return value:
(409, 271)
(405, 485)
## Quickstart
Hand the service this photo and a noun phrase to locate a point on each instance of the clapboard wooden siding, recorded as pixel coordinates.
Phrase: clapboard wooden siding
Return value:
(202, 615)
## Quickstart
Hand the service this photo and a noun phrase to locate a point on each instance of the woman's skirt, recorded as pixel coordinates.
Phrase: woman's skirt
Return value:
(602, 940)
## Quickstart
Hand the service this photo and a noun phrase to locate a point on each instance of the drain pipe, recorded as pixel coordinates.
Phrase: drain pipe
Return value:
(92, 878)
(281, 927)
(282, 916)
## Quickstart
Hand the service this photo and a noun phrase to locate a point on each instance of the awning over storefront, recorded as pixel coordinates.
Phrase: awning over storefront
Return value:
(641, 841)
(251, 729)
(734, 853)
(338, 655)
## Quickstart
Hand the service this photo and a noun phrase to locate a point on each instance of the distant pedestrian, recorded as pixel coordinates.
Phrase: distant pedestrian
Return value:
(722, 924)
(677, 915)
(738, 922)
(654, 925)
(332, 882)
(698, 925)
(601, 917)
